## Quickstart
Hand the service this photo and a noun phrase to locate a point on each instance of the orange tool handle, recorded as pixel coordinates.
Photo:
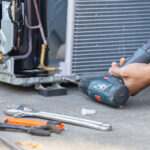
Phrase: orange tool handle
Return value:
(30, 123)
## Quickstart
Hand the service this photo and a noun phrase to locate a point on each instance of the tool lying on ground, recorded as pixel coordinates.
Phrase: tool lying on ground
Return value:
(27, 111)
(34, 127)
(39, 131)
(54, 126)
(9, 144)
(111, 90)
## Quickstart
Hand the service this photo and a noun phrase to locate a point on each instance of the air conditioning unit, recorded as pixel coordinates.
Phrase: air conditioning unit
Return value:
(102, 31)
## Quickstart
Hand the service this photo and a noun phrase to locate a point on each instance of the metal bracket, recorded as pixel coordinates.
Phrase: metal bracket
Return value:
(54, 90)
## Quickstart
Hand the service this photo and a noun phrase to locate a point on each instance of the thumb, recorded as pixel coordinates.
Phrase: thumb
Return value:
(116, 71)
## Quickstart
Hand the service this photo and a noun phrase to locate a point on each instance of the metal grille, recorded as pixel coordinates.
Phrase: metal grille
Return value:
(105, 30)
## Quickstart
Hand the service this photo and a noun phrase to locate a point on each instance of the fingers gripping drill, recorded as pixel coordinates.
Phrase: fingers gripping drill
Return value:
(111, 90)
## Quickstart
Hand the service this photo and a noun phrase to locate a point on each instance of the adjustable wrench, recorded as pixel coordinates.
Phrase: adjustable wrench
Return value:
(27, 111)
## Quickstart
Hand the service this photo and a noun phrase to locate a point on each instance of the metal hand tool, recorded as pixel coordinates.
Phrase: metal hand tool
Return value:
(9, 144)
(54, 126)
(40, 131)
(27, 111)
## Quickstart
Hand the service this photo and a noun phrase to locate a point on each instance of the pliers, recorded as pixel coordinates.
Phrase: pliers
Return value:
(45, 130)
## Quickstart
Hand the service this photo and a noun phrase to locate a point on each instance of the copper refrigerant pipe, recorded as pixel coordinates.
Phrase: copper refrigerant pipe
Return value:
(30, 28)
(43, 51)
(44, 46)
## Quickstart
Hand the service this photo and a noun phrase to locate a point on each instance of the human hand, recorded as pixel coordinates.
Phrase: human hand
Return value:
(136, 76)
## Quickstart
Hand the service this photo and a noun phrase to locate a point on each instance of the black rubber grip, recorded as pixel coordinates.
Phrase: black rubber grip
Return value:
(53, 128)
(39, 132)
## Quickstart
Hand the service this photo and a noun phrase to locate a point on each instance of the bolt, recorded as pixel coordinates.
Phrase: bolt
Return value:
(85, 112)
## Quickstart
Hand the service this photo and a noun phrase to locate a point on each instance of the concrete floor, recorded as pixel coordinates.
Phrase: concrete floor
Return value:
(131, 125)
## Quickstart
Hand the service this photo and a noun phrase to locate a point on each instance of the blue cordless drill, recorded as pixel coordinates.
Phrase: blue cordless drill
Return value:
(111, 90)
